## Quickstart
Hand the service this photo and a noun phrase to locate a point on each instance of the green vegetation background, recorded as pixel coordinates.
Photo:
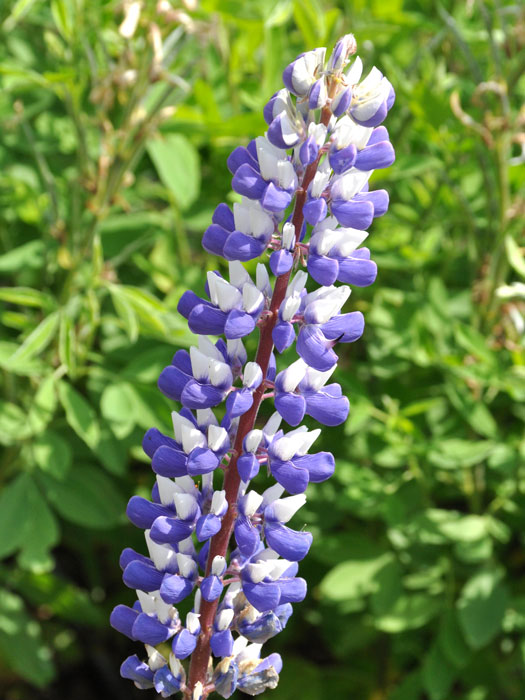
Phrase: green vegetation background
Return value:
(112, 158)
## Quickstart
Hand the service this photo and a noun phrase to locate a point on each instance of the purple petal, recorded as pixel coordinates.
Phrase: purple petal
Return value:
(246, 536)
(142, 512)
(149, 630)
(211, 588)
(142, 577)
(223, 216)
(311, 346)
(323, 269)
(206, 320)
(169, 462)
(355, 213)
(342, 159)
(137, 671)
(239, 157)
(345, 328)
(240, 246)
(291, 407)
(207, 526)
(263, 596)
(275, 198)
(238, 402)
(175, 588)
(214, 239)
(291, 475)
(153, 439)
(314, 210)
(327, 409)
(293, 590)
(283, 335)
(172, 382)
(122, 619)
(288, 543)
(281, 262)
(358, 271)
(248, 182)
(320, 466)
(222, 643)
(202, 460)
(196, 395)
(170, 530)
(238, 324)
(248, 466)
(183, 644)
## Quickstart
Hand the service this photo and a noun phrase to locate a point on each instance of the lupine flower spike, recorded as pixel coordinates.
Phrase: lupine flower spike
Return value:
(305, 207)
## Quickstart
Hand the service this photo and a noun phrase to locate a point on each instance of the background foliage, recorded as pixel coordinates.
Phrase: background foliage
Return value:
(112, 159)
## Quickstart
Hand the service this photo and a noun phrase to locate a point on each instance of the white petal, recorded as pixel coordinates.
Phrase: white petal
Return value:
(162, 610)
(272, 425)
(186, 547)
(297, 284)
(220, 374)
(179, 421)
(218, 501)
(288, 236)
(260, 570)
(294, 374)
(317, 379)
(175, 665)
(262, 279)
(253, 440)
(192, 438)
(278, 568)
(287, 447)
(217, 437)
(224, 619)
(206, 417)
(308, 440)
(166, 490)
(251, 503)
(185, 505)
(353, 74)
(239, 644)
(290, 306)
(238, 274)
(147, 602)
(349, 184)
(218, 565)
(252, 375)
(236, 350)
(227, 296)
(208, 348)
(161, 555)
(185, 484)
(286, 508)
(199, 364)
(252, 298)
(272, 494)
(192, 622)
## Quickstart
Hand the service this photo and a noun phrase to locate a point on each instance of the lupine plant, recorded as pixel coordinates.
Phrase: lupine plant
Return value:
(305, 202)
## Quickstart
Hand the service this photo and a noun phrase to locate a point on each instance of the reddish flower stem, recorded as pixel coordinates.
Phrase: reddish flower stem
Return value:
(219, 542)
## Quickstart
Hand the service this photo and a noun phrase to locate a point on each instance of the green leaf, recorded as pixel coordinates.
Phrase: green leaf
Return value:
(12, 505)
(177, 163)
(474, 343)
(80, 415)
(40, 532)
(14, 426)
(438, 674)
(515, 255)
(62, 11)
(37, 341)
(409, 612)
(125, 312)
(66, 344)
(26, 296)
(453, 453)
(61, 597)
(451, 641)
(21, 644)
(87, 497)
(53, 454)
(43, 405)
(117, 404)
(481, 607)
(353, 579)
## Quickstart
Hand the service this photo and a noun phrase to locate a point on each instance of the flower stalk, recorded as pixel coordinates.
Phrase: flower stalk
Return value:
(332, 128)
